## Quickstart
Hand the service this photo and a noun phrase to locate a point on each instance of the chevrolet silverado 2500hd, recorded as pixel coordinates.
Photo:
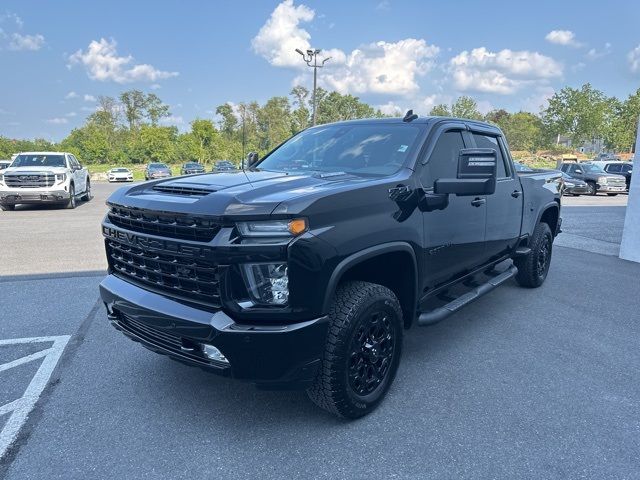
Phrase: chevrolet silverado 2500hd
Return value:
(306, 268)
(44, 177)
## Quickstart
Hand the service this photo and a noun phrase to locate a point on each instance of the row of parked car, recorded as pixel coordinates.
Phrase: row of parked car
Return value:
(157, 170)
(590, 178)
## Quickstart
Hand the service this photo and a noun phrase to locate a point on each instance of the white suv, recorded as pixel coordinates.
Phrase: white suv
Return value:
(44, 177)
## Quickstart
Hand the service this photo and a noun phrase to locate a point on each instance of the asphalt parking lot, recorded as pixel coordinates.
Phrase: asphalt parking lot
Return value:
(521, 384)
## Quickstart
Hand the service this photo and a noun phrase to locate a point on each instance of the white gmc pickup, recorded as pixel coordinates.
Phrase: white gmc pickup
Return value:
(44, 177)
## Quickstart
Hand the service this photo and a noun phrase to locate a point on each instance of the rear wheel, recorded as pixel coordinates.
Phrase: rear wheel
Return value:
(71, 203)
(362, 352)
(7, 208)
(612, 194)
(591, 188)
(87, 194)
(533, 268)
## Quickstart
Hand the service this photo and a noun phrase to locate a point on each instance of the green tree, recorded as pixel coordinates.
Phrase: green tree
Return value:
(466, 107)
(523, 131)
(133, 102)
(229, 122)
(440, 110)
(155, 109)
(301, 115)
(206, 136)
(274, 123)
(582, 114)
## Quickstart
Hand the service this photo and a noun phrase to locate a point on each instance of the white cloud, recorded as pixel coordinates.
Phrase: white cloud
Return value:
(563, 37)
(380, 67)
(102, 63)
(390, 108)
(155, 86)
(384, 5)
(634, 59)
(58, 121)
(172, 120)
(71, 114)
(503, 72)
(279, 37)
(594, 54)
(11, 17)
(538, 100)
(71, 95)
(89, 98)
(89, 109)
(26, 42)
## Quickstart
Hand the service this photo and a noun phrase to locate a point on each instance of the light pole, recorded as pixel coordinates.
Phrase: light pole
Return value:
(311, 59)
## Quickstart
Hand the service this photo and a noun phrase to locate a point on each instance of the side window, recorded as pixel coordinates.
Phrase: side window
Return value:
(573, 168)
(625, 168)
(564, 167)
(614, 168)
(443, 162)
(70, 162)
(486, 141)
(75, 161)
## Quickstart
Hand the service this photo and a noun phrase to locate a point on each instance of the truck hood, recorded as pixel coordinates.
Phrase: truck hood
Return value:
(238, 193)
(32, 170)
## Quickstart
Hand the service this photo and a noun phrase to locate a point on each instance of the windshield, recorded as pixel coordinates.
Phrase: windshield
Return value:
(590, 168)
(119, 170)
(520, 167)
(39, 161)
(357, 149)
(157, 165)
(191, 165)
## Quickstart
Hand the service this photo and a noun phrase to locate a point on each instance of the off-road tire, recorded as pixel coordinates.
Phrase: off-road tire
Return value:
(7, 208)
(533, 268)
(87, 194)
(353, 307)
(71, 203)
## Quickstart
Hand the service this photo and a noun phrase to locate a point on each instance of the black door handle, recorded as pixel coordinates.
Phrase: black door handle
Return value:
(478, 201)
(516, 193)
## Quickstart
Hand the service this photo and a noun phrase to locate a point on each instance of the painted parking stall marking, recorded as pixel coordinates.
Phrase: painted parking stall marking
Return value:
(21, 407)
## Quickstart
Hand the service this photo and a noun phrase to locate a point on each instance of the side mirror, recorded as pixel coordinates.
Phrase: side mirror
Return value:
(578, 171)
(252, 159)
(477, 172)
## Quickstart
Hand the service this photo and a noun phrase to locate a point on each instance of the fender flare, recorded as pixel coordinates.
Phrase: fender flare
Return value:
(553, 204)
(366, 254)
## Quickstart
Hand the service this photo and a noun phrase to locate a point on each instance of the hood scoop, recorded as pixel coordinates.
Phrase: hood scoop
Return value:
(183, 189)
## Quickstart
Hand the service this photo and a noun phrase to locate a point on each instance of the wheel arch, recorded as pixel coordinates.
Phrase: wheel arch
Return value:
(392, 265)
(550, 215)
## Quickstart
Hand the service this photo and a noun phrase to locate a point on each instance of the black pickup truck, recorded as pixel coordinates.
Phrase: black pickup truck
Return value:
(305, 269)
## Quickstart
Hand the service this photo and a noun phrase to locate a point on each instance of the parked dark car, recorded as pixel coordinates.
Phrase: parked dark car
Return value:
(306, 270)
(224, 166)
(157, 170)
(596, 178)
(4, 164)
(619, 168)
(191, 168)
(574, 186)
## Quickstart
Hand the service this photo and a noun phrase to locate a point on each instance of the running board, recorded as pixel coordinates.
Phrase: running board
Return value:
(434, 316)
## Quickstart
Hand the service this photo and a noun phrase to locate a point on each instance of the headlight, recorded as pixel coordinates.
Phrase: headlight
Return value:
(273, 228)
(267, 283)
(61, 177)
(602, 180)
(569, 184)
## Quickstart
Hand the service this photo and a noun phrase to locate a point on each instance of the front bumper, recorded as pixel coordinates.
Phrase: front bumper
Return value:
(14, 197)
(271, 356)
(577, 190)
(611, 188)
(121, 179)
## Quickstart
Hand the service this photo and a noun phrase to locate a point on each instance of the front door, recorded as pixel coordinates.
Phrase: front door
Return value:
(454, 237)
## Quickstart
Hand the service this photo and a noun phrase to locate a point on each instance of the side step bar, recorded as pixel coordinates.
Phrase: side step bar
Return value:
(434, 316)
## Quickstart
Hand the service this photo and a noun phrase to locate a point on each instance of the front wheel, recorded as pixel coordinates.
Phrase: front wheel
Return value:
(362, 351)
(7, 208)
(533, 268)
(71, 204)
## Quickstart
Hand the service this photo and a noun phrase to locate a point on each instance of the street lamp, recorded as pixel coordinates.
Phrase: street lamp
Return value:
(311, 59)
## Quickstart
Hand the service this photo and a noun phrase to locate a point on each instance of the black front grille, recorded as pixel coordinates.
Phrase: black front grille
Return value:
(182, 190)
(162, 339)
(171, 225)
(179, 276)
(27, 180)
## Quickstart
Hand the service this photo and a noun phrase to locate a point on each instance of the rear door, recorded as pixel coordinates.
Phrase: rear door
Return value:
(504, 206)
(453, 237)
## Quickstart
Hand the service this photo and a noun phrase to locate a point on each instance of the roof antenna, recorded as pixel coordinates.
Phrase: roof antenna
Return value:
(409, 116)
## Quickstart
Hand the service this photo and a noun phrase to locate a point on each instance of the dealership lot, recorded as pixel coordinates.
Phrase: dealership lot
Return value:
(524, 383)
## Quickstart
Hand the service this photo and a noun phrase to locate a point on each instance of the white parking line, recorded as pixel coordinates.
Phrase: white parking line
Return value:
(22, 406)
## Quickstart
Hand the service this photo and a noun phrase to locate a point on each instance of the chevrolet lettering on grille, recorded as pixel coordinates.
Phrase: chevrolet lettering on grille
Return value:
(154, 244)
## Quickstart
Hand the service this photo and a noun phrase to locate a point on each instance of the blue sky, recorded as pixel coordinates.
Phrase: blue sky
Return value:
(58, 57)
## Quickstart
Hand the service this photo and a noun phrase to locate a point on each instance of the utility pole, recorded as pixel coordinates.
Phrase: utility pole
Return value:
(311, 59)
